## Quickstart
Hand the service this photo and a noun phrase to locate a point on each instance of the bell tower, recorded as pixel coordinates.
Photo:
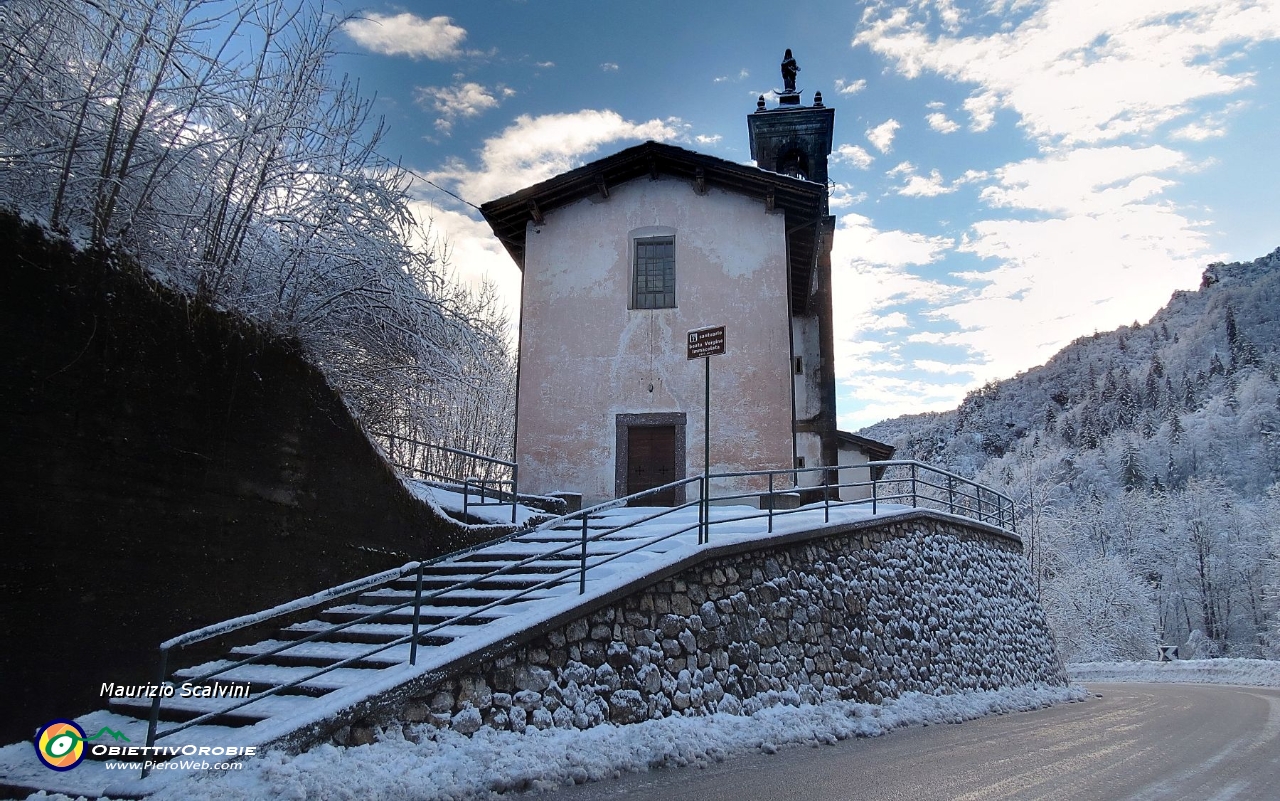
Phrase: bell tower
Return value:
(792, 139)
(795, 140)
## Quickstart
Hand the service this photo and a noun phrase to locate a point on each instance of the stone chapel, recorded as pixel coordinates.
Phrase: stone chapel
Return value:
(622, 258)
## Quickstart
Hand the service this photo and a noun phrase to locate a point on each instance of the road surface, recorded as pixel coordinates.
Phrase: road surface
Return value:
(1136, 741)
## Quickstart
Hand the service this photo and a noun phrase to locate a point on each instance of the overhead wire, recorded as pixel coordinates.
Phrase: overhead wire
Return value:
(430, 182)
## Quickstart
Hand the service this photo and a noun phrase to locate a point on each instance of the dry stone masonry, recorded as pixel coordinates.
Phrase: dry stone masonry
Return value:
(926, 605)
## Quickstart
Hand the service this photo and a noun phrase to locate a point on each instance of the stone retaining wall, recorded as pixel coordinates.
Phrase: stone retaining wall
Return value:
(925, 604)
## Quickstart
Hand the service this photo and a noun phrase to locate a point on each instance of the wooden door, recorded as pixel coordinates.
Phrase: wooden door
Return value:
(651, 462)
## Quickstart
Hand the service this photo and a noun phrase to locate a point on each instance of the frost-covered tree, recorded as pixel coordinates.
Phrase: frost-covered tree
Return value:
(1099, 611)
(209, 140)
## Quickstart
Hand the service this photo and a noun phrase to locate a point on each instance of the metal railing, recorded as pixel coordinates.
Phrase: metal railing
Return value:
(900, 482)
(493, 481)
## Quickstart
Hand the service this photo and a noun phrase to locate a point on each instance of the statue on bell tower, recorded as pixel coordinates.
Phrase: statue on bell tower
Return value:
(789, 70)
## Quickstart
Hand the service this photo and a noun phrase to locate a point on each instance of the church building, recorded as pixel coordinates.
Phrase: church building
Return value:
(622, 258)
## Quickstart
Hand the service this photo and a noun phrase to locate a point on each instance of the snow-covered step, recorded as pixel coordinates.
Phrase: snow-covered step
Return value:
(323, 654)
(181, 709)
(260, 676)
(482, 566)
(430, 612)
(519, 551)
(374, 632)
(503, 581)
(443, 591)
(471, 596)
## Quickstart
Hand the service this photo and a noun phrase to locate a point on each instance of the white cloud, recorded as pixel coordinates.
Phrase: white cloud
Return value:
(841, 196)
(928, 337)
(944, 368)
(1083, 70)
(850, 87)
(879, 397)
(873, 269)
(533, 149)
(408, 35)
(545, 64)
(704, 139)
(1195, 132)
(917, 185)
(609, 66)
(1059, 278)
(463, 100)
(982, 110)
(1083, 237)
(941, 123)
(852, 154)
(530, 150)
(860, 244)
(891, 322)
(742, 75)
(1084, 180)
(882, 135)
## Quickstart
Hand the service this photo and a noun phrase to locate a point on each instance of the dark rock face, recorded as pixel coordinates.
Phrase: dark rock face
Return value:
(165, 466)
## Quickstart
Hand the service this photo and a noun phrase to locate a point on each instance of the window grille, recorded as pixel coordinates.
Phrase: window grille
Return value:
(654, 286)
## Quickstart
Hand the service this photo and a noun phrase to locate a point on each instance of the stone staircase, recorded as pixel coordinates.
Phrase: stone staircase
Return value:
(310, 671)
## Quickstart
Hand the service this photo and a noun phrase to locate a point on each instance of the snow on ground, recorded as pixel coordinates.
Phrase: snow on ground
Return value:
(1248, 672)
(422, 762)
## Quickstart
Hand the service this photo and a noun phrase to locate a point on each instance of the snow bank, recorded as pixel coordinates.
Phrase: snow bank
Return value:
(1249, 672)
(423, 762)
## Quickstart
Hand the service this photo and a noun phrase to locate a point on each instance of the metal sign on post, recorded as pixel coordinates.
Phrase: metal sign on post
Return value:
(703, 344)
(706, 342)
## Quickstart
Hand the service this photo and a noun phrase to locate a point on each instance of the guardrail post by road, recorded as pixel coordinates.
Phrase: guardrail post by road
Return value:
(951, 494)
(913, 485)
(873, 490)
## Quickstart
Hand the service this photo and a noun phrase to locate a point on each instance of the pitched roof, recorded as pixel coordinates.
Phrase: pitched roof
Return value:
(878, 451)
(803, 202)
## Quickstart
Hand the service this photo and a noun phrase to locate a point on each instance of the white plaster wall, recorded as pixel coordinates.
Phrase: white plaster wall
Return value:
(807, 341)
(849, 456)
(809, 446)
(585, 357)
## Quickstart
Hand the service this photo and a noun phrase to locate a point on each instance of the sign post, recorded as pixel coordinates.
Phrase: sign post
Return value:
(703, 344)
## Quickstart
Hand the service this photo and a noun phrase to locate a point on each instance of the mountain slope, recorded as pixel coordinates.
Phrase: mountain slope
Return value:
(1194, 391)
(1145, 462)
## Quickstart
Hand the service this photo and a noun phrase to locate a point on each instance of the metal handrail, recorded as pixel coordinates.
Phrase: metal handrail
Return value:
(487, 484)
(920, 478)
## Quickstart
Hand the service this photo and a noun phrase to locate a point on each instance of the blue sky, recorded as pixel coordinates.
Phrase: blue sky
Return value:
(1009, 174)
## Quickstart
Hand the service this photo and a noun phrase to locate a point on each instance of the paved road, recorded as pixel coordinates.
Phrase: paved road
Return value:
(1137, 741)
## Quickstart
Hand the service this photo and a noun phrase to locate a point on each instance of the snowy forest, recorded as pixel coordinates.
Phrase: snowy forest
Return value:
(208, 141)
(1145, 463)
